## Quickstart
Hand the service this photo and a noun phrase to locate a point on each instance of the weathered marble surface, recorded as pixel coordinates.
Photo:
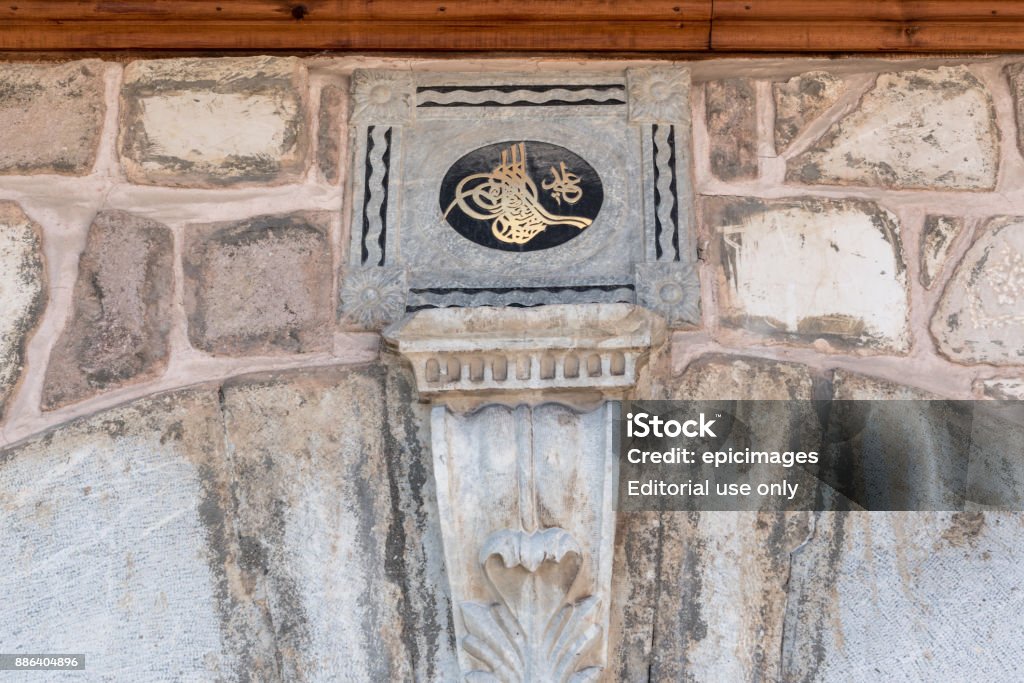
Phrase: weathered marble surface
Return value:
(925, 129)
(276, 528)
(806, 268)
(981, 316)
(214, 122)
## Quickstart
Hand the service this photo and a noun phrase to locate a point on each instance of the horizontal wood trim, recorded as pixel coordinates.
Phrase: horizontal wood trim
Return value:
(793, 11)
(648, 36)
(357, 10)
(867, 36)
(654, 26)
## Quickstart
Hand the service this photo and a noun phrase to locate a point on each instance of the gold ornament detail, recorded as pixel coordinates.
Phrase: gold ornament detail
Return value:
(507, 197)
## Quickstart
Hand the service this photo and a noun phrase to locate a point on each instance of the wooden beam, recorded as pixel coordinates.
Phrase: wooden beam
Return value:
(371, 36)
(868, 26)
(642, 26)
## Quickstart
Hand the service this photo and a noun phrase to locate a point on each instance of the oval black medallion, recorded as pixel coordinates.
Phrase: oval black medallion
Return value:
(521, 195)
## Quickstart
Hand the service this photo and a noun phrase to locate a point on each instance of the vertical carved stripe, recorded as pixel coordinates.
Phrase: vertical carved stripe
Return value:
(527, 471)
(376, 195)
(664, 185)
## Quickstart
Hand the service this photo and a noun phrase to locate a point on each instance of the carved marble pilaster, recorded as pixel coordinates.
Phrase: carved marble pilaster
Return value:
(522, 439)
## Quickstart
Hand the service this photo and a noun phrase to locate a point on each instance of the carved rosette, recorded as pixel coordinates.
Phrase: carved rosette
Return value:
(382, 97)
(671, 290)
(659, 95)
(372, 297)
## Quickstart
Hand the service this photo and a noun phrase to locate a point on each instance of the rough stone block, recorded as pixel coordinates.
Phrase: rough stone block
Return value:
(732, 128)
(925, 129)
(936, 240)
(118, 331)
(801, 100)
(981, 316)
(851, 386)
(803, 269)
(261, 285)
(1015, 74)
(214, 122)
(1002, 388)
(718, 377)
(329, 132)
(22, 292)
(51, 117)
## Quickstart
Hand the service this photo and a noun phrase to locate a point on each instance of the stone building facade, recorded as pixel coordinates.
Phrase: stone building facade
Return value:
(274, 407)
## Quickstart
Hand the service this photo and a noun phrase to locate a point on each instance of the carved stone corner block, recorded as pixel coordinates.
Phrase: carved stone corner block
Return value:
(516, 350)
(659, 94)
(382, 96)
(671, 290)
(372, 297)
(525, 486)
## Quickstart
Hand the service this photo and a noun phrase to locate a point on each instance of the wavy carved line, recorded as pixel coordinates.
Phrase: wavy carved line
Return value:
(473, 97)
(377, 195)
(418, 301)
(666, 200)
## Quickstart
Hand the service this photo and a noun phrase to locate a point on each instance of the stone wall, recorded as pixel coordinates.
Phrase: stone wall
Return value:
(207, 473)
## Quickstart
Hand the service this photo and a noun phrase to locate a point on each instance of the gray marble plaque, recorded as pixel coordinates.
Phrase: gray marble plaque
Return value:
(520, 190)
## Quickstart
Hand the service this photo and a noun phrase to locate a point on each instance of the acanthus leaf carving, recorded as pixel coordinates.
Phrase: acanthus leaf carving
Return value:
(533, 633)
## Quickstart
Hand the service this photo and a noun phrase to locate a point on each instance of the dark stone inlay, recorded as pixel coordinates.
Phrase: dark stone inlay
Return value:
(516, 88)
(386, 160)
(367, 171)
(657, 194)
(525, 103)
(673, 189)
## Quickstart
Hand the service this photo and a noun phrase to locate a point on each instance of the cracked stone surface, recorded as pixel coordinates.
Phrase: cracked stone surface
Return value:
(214, 122)
(261, 285)
(233, 533)
(22, 291)
(801, 100)
(805, 269)
(51, 117)
(980, 318)
(925, 129)
(118, 331)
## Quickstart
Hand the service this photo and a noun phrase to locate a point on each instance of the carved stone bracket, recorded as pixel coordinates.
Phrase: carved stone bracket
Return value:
(525, 478)
(513, 350)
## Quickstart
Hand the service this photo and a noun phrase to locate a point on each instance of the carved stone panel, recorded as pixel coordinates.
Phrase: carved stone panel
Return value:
(521, 189)
(525, 497)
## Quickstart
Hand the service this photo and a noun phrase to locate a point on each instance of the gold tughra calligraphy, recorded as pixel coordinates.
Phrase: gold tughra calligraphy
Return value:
(564, 185)
(507, 197)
